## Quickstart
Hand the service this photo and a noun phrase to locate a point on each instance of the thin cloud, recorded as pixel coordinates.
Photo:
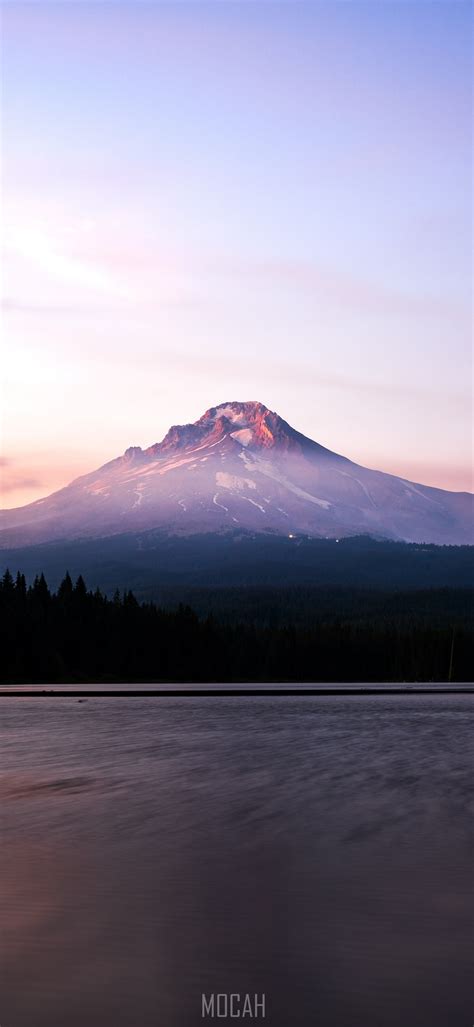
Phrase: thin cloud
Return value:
(14, 306)
(42, 251)
(11, 479)
(25, 306)
(300, 375)
(344, 291)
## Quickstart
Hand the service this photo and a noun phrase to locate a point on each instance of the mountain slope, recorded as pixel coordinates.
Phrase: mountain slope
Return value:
(241, 467)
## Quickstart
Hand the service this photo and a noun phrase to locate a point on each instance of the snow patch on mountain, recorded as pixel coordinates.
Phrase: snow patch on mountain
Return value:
(244, 436)
(139, 494)
(248, 500)
(216, 503)
(233, 482)
(102, 491)
(263, 467)
(412, 488)
(233, 415)
(364, 488)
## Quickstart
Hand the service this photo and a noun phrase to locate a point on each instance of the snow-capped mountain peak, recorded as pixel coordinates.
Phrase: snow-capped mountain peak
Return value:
(241, 467)
(250, 424)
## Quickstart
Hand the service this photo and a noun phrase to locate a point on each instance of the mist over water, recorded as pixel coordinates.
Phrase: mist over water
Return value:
(315, 849)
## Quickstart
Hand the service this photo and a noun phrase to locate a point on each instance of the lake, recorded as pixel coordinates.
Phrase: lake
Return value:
(315, 849)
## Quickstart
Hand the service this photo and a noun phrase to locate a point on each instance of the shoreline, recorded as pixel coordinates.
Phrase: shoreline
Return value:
(186, 691)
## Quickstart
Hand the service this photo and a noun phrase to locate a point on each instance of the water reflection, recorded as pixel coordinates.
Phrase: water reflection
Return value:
(316, 850)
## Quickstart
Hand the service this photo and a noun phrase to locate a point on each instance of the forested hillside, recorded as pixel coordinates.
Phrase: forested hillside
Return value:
(80, 635)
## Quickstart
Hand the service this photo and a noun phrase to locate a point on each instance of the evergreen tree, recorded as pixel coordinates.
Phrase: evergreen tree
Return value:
(65, 589)
(80, 590)
(40, 590)
(7, 584)
(20, 586)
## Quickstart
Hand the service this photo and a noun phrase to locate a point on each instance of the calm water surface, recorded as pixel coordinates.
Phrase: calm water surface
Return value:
(314, 849)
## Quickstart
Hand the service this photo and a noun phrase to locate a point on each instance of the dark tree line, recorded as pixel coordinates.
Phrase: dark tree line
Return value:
(76, 635)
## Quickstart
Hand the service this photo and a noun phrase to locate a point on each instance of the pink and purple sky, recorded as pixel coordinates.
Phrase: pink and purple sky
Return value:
(213, 201)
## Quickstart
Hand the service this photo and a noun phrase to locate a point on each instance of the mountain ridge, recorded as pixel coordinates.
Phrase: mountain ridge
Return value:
(241, 466)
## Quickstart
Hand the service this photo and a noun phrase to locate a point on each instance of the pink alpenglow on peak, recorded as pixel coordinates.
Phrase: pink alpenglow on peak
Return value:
(241, 467)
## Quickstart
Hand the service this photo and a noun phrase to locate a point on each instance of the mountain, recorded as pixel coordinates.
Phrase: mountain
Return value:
(240, 467)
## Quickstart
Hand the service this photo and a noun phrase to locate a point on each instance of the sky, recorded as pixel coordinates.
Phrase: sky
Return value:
(204, 202)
